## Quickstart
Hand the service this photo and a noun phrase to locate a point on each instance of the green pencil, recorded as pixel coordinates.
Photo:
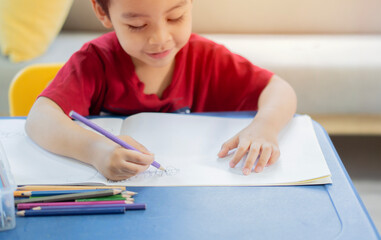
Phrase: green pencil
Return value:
(70, 197)
(109, 198)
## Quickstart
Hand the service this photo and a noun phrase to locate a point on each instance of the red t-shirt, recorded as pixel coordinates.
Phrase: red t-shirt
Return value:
(100, 77)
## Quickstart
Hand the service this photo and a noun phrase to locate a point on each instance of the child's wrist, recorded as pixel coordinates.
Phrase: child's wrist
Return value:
(265, 124)
(98, 150)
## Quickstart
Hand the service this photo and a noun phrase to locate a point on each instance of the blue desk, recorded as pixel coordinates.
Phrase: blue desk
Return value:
(290, 212)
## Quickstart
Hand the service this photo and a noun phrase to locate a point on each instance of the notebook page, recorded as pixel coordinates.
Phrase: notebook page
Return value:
(188, 145)
(31, 164)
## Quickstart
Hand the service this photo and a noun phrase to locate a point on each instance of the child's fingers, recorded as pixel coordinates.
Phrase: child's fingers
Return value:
(131, 168)
(274, 156)
(137, 157)
(124, 163)
(251, 157)
(126, 170)
(125, 155)
(240, 152)
(227, 146)
(266, 151)
(135, 144)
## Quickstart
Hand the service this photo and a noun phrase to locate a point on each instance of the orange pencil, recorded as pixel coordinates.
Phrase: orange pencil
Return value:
(59, 187)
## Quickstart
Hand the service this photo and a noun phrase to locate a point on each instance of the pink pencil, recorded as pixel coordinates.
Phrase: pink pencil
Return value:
(25, 206)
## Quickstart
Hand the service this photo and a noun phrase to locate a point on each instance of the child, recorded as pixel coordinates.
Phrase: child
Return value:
(152, 62)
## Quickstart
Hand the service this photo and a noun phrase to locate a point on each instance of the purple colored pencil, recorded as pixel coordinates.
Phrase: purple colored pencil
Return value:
(24, 206)
(134, 206)
(109, 135)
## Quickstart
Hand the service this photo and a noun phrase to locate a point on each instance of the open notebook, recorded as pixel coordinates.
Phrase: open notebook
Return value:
(186, 145)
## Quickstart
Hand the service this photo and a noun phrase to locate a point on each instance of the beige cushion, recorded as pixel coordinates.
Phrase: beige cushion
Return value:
(330, 74)
(264, 16)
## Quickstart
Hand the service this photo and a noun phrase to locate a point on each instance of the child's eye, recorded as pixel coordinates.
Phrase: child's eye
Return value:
(174, 20)
(136, 28)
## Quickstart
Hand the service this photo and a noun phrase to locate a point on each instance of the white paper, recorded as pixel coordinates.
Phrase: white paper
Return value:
(187, 145)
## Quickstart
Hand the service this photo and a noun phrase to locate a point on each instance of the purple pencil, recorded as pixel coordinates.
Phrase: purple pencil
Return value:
(24, 206)
(109, 135)
(134, 206)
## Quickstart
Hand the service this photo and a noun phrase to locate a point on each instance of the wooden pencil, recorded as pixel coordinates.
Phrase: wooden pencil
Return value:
(62, 187)
(109, 198)
(51, 193)
(134, 206)
(117, 196)
(26, 206)
(27, 194)
(70, 197)
(60, 212)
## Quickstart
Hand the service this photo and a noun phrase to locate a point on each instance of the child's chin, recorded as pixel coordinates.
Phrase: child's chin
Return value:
(158, 63)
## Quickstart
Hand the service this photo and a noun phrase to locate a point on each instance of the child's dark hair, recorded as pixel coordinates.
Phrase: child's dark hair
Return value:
(104, 5)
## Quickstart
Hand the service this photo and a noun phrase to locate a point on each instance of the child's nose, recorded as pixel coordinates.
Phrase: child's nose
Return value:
(159, 36)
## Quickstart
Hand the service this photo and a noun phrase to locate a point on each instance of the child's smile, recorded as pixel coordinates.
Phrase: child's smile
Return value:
(160, 55)
(151, 32)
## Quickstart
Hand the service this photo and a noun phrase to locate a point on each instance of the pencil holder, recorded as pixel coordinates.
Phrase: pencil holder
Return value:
(7, 187)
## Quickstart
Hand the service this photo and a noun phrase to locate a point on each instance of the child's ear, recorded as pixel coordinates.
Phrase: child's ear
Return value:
(101, 15)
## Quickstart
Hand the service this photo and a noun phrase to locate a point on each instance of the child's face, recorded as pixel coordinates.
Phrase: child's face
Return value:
(152, 31)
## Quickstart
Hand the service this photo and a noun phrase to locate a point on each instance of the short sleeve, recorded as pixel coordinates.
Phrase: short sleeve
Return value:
(79, 84)
(233, 82)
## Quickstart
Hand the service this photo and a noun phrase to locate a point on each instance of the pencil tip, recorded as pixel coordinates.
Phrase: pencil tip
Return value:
(130, 193)
(162, 168)
(125, 195)
(20, 213)
(117, 191)
(28, 194)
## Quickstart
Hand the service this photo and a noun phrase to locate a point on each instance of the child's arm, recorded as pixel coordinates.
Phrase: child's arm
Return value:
(276, 106)
(53, 130)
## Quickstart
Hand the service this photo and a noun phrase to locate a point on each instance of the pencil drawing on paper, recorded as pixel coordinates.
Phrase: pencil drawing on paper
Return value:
(11, 134)
(152, 173)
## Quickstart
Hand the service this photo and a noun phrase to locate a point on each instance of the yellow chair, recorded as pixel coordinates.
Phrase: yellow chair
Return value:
(28, 84)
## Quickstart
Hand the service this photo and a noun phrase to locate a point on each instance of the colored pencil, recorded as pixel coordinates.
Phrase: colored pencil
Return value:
(109, 135)
(70, 197)
(61, 187)
(116, 197)
(17, 198)
(25, 206)
(27, 193)
(109, 198)
(51, 193)
(135, 206)
(129, 193)
(67, 187)
(60, 212)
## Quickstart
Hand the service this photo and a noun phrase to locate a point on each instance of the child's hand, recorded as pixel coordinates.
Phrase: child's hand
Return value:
(257, 140)
(120, 163)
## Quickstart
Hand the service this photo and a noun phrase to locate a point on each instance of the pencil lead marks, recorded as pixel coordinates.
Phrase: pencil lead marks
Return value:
(154, 173)
(7, 135)
(169, 171)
